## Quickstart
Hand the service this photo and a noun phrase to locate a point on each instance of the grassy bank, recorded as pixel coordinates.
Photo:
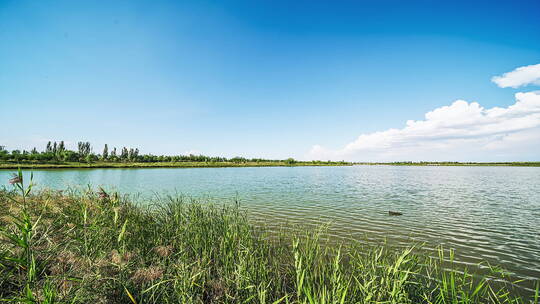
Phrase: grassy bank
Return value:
(94, 247)
(499, 164)
(98, 164)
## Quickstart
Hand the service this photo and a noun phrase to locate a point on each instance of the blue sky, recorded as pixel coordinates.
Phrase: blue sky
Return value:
(269, 79)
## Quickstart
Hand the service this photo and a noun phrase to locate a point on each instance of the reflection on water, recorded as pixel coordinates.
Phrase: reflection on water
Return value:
(485, 213)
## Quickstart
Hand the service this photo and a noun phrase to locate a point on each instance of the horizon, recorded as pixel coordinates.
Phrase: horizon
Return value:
(117, 150)
(354, 81)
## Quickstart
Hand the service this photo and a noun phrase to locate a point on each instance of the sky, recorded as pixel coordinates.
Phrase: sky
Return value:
(341, 80)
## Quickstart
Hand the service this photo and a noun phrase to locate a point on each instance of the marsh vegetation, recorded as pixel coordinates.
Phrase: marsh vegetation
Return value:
(99, 247)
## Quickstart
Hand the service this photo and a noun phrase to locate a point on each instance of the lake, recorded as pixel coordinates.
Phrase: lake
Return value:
(484, 213)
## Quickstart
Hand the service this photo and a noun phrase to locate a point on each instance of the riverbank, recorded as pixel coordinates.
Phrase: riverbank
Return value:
(470, 164)
(98, 247)
(83, 165)
(97, 165)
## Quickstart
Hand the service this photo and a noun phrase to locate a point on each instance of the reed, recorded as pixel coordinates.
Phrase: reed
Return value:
(99, 247)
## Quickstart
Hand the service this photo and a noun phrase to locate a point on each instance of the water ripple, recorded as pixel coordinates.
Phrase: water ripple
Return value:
(484, 213)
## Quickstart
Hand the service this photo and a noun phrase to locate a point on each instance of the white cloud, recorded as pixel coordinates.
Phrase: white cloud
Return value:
(519, 77)
(460, 131)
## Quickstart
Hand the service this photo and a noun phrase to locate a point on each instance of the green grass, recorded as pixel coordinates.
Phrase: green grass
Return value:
(99, 164)
(93, 247)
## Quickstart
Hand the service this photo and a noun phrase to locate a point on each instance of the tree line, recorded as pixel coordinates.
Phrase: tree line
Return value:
(57, 152)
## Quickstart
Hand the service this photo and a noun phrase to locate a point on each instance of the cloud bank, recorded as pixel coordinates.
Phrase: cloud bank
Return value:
(462, 131)
(519, 77)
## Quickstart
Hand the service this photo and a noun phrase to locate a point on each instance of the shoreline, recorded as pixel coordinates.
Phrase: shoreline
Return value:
(111, 165)
(457, 164)
(141, 165)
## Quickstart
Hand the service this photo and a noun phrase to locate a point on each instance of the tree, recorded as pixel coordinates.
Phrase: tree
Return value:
(4, 154)
(70, 156)
(84, 149)
(130, 154)
(80, 146)
(136, 154)
(88, 158)
(124, 154)
(54, 149)
(61, 147)
(16, 155)
(48, 149)
(238, 159)
(105, 155)
(290, 161)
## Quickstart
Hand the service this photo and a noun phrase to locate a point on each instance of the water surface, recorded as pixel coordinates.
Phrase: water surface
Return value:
(485, 213)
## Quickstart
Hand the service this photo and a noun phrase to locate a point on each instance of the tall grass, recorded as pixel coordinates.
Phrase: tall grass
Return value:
(96, 247)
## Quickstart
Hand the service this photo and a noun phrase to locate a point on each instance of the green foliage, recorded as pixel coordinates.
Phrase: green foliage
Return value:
(290, 161)
(19, 262)
(56, 153)
(85, 149)
(105, 154)
(90, 247)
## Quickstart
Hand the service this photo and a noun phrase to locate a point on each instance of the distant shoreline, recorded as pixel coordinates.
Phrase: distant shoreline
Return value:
(460, 164)
(104, 165)
(127, 165)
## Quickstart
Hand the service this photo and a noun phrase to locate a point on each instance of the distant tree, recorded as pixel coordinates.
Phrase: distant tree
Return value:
(136, 154)
(16, 155)
(238, 159)
(105, 154)
(58, 151)
(124, 154)
(70, 156)
(85, 149)
(80, 146)
(290, 161)
(130, 154)
(4, 154)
